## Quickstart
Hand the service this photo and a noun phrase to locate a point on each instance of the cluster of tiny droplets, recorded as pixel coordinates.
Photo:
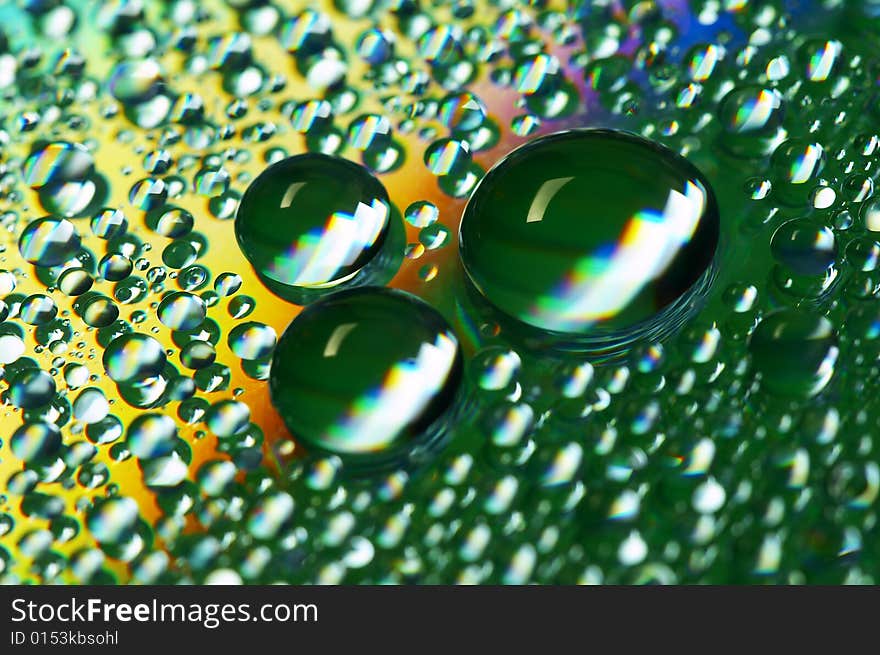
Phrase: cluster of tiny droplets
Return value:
(137, 440)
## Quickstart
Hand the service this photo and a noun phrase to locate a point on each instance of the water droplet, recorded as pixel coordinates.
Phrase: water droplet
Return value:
(136, 82)
(112, 520)
(863, 253)
(375, 46)
(109, 223)
(181, 311)
(587, 230)
(751, 117)
(795, 351)
(434, 236)
(421, 214)
(33, 442)
(252, 340)
(75, 281)
(870, 215)
(369, 374)
(226, 284)
(796, 164)
(269, 514)
(312, 221)
(211, 182)
(133, 357)
(821, 59)
(228, 418)
(37, 309)
(496, 368)
(30, 388)
(151, 435)
(49, 241)
(91, 406)
(171, 222)
(447, 157)
(57, 163)
(805, 247)
(369, 132)
(462, 111)
(709, 497)
(197, 354)
(11, 348)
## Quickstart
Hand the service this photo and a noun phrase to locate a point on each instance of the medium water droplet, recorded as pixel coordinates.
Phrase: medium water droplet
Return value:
(368, 374)
(312, 221)
(133, 357)
(49, 241)
(804, 246)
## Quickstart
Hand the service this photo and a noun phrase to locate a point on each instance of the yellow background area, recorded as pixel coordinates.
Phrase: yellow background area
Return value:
(119, 149)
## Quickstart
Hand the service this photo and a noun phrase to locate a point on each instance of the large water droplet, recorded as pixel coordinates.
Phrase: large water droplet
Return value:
(589, 232)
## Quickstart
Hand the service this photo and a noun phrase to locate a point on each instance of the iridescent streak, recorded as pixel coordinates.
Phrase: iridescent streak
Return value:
(531, 76)
(704, 63)
(602, 284)
(41, 168)
(124, 362)
(443, 161)
(826, 370)
(361, 135)
(803, 167)
(316, 257)
(754, 115)
(379, 415)
(502, 370)
(515, 423)
(822, 62)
